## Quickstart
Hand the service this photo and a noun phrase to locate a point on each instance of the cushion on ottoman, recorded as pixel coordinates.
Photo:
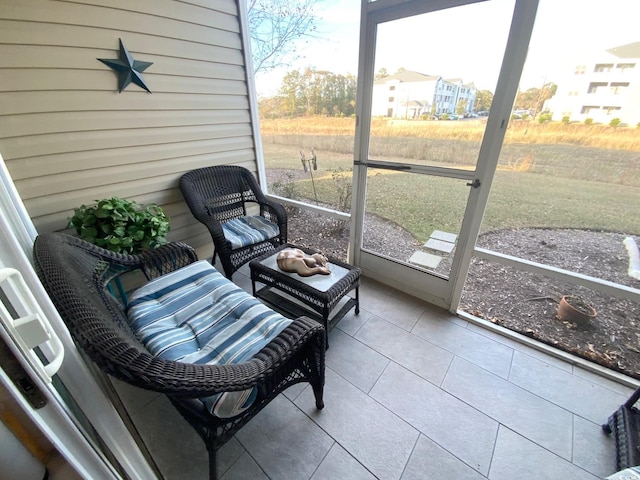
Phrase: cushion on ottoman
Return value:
(631, 473)
(196, 315)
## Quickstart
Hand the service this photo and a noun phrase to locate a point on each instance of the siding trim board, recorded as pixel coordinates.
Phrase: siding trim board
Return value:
(186, 13)
(47, 165)
(68, 13)
(102, 41)
(108, 176)
(41, 145)
(61, 122)
(46, 79)
(15, 103)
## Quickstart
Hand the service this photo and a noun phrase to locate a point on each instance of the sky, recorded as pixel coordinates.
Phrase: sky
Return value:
(467, 42)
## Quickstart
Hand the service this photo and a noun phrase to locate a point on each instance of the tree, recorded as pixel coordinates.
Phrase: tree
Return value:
(527, 100)
(291, 92)
(533, 99)
(547, 91)
(461, 108)
(271, 107)
(314, 92)
(484, 98)
(382, 73)
(275, 29)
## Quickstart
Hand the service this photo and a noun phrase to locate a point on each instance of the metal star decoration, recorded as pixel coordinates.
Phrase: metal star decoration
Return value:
(129, 70)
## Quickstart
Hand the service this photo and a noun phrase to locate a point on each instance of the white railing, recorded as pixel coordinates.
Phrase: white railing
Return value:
(327, 212)
(603, 286)
(574, 278)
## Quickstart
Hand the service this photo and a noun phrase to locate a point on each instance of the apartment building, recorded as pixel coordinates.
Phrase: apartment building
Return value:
(410, 95)
(602, 87)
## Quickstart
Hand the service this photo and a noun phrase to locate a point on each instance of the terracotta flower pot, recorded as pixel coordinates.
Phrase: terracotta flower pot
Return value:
(575, 310)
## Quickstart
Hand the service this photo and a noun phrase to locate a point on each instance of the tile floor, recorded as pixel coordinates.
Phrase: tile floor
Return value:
(412, 393)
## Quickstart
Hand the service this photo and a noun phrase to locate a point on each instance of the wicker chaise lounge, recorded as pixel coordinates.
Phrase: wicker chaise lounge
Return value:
(77, 274)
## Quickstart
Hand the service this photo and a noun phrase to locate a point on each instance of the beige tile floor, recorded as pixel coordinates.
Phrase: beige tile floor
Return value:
(412, 393)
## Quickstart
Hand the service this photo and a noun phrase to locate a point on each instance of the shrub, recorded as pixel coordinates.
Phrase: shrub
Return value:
(524, 164)
(544, 118)
(566, 119)
(285, 188)
(588, 121)
(615, 122)
(342, 179)
(121, 225)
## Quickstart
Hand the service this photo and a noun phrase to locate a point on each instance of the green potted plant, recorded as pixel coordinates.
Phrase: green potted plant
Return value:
(121, 225)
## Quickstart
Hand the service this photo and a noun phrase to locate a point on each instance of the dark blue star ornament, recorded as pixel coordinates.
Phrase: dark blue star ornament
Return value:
(129, 70)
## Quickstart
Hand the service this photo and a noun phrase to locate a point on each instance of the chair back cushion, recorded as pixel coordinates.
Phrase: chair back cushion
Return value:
(244, 231)
(196, 315)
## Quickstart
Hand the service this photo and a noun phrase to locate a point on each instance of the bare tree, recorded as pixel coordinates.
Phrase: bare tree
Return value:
(275, 28)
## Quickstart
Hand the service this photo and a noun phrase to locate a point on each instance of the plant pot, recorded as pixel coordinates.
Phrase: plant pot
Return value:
(573, 309)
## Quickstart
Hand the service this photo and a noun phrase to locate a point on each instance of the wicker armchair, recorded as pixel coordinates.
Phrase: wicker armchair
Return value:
(76, 275)
(220, 194)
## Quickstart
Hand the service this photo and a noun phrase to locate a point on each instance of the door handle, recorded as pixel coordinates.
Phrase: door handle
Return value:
(31, 328)
(474, 184)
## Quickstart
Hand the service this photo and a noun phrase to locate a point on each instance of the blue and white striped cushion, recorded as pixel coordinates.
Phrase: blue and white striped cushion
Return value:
(244, 231)
(196, 315)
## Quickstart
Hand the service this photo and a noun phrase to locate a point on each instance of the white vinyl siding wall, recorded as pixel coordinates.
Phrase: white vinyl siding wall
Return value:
(68, 137)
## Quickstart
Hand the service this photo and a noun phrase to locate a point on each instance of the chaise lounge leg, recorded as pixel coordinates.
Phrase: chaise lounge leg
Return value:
(318, 393)
(213, 464)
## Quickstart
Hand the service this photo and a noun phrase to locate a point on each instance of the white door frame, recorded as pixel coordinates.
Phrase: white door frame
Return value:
(17, 234)
(444, 293)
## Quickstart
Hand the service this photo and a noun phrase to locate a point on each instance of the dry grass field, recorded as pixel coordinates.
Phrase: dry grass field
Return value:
(519, 131)
(549, 175)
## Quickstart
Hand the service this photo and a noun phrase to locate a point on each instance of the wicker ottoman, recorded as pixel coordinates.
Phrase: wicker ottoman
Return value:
(316, 296)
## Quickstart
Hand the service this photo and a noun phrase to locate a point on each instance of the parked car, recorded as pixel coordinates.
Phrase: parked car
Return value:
(446, 116)
(519, 114)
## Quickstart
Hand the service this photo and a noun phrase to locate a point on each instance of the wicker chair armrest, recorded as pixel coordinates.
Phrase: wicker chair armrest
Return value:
(187, 380)
(154, 262)
(274, 208)
(166, 258)
(270, 209)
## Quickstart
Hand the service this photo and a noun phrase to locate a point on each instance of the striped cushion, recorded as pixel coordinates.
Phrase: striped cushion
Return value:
(244, 231)
(196, 315)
